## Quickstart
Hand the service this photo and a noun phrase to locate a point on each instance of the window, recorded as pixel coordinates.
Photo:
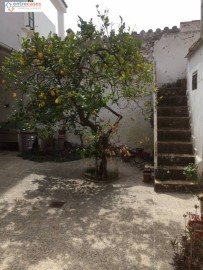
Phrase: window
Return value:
(31, 22)
(194, 80)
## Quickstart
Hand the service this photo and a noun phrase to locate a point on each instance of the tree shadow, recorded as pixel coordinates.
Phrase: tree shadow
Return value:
(100, 226)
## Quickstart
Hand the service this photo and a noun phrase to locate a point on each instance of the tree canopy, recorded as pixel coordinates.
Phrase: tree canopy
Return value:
(67, 82)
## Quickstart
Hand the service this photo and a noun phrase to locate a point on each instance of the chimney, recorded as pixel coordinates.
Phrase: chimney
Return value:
(201, 34)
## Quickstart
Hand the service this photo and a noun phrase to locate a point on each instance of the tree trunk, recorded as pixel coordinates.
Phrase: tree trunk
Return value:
(104, 141)
(103, 167)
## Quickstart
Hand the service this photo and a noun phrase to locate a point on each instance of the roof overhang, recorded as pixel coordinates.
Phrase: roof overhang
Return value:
(60, 5)
(64, 3)
(194, 47)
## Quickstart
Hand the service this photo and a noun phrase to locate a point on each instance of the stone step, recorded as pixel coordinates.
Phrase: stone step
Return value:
(171, 92)
(173, 101)
(175, 186)
(174, 135)
(170, 173)
(175, 159)
(173, 111)
(173, 122)
(176, 147)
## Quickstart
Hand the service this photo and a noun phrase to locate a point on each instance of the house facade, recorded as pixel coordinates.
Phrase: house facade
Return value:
(13, 27)
(195, 95)
(195, 98)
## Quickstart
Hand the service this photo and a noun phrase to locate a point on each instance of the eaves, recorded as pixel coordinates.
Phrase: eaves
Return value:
(194, 47)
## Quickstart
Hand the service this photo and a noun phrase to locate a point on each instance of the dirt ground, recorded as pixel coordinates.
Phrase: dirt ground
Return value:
(53, 219)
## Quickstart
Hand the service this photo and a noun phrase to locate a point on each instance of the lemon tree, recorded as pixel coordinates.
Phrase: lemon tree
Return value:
(69, 81)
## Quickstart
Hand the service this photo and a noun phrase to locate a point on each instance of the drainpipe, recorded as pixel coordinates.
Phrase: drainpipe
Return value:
(201, 34)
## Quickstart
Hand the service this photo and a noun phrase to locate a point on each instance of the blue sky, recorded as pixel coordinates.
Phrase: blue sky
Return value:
(138, 14)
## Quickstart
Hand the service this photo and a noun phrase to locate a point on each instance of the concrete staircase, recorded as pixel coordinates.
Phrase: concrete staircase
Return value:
(174, 145)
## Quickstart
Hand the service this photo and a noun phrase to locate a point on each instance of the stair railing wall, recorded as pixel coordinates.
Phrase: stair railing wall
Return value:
(155, 116)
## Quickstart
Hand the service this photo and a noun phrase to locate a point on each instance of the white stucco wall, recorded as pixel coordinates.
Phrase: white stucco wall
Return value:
(50, 12)
(61, 28)
(43, 25)
(133, 130)
(12, 29)
(61, 9)
(10, 26)
(170, 50)
(195, 63)
(13, 25)
(53, 14)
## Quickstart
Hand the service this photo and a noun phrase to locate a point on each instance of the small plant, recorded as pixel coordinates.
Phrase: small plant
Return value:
(188, 248)
(190, 171)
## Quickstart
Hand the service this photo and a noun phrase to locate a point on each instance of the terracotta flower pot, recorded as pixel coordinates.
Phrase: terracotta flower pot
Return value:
(196, 228)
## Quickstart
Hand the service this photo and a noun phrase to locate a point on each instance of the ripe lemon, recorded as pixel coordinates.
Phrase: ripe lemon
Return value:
(52, 92)
(41, 95)
(62, 72)
(36, 61)
(22, 61)
(14, 95)
(41, 104)
(58, 100)
(40, 55)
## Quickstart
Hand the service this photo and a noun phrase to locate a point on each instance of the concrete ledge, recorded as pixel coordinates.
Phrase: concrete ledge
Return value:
(175, 186)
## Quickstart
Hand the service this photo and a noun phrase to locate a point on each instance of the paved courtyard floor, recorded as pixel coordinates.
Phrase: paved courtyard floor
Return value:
(122, 225)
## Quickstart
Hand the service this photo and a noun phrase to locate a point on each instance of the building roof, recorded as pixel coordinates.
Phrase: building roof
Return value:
(194, 47)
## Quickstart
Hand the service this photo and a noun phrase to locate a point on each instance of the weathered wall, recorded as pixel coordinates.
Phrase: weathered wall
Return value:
(170, 52)
(195, 63)
(168, 48)
(134, 130)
